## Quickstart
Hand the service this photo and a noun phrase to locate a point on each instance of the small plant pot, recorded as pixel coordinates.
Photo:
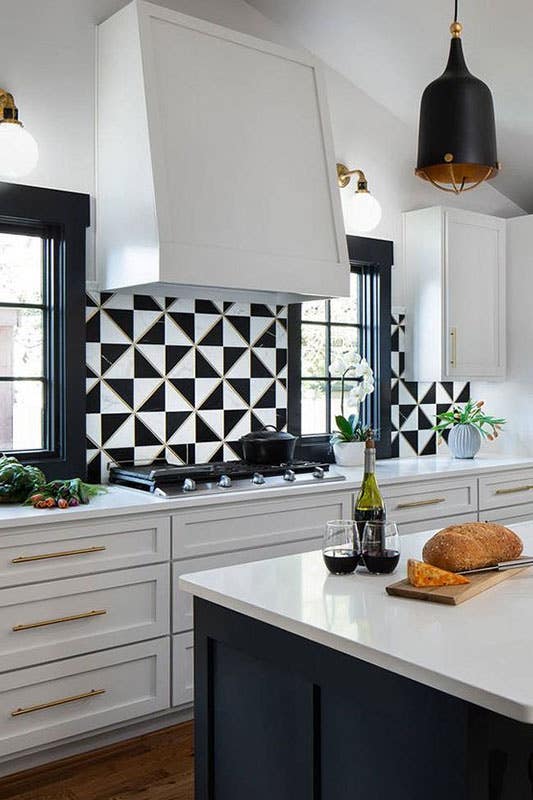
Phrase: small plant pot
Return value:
(464, 441)
(349, 454)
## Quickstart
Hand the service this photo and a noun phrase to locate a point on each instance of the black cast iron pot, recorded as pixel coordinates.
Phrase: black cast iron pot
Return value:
(268, 446)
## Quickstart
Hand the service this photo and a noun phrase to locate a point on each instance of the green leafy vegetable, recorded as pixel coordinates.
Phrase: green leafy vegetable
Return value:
(17, 481)
(64, 494)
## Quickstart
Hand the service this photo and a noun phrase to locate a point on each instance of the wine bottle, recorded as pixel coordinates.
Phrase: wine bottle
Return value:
(369, 504)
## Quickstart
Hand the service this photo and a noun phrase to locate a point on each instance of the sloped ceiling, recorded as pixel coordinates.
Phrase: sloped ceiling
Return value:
(392, 50)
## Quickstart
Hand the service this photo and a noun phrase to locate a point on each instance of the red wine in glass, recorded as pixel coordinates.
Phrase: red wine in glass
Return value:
(340, 560)
(382, 562)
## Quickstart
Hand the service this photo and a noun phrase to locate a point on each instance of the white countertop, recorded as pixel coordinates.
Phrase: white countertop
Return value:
(480, 651)
(120, 500)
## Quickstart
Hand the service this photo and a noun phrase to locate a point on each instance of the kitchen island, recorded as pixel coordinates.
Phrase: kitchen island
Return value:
(316, 686)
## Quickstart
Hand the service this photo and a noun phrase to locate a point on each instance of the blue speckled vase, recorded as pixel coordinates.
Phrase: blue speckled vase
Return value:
(464, 441)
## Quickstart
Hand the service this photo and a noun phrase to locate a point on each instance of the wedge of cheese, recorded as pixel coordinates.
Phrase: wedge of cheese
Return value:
(421, 574)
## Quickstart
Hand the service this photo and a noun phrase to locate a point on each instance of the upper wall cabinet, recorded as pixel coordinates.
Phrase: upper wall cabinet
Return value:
(455, 269)
(216, 174)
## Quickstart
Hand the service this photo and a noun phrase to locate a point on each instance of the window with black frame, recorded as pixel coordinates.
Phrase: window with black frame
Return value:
(322, 331)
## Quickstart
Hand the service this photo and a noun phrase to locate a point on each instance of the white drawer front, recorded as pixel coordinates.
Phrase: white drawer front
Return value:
(431, 499)
(182, 617)
(509, 516)
(182, 669)
(70, 697)
(46, 621)
(48, 551)
(434, 525)
(505, 489)
(256, 523)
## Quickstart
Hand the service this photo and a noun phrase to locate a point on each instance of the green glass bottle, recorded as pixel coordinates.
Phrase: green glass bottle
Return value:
(369, 504)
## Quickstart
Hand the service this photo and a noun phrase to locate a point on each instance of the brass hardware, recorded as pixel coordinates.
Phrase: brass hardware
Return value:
(344, 176)
(72, 618)
(8, 110)
(53, 703)
(448, 157)
(513, 491)
(60, 554)
(458, 175)
(417, 503)
(456, 29)
(453, 338)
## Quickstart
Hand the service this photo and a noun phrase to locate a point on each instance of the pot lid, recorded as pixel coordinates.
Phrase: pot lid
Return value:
(268, 434)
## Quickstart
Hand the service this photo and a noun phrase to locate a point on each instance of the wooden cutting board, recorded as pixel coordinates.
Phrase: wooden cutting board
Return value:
(453, 595)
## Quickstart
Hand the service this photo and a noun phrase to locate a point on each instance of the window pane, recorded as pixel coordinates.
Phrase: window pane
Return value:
(344, 342)
(314, 406)
(346, 309)
(314, 351)
(21, 342)
(315, 311)
(336, 402)
(21, 268)
(21, 415)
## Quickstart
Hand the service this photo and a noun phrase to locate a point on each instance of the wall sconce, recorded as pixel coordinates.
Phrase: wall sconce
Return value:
(18, 149)
(367, 211)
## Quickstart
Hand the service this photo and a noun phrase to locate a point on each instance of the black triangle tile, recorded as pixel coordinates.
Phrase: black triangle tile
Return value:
(255, 423)
(94, 468)
(89, 301)
(281, 418)
(144, 436)
(143, 368)
(182, 451)
(185, 386)
(92, 328)
(169, 301)
(395, 341)
(281, 359)
(258, 369)
(431, 395)
(121, 455)
(104, 297)
(242, 387)
(142, 302)
(231, 418)
(215, 400)
(395, 392)
(442, 407)
(268, 338)
(173, 421)
(424, 424)
(401, 363)
(213, 337)
(110, 425)
(268, 399)
(124, 388)
(123, 318)
(204, 369)
(260, 310)
(185, 321)
(156, 401)
(283, 322)
(203, 432)
(155, 334)
(236, 446)
(430, 449)
(218, 455)
(89, 373)
(405, 412)
(280, 309)
(227, 306)
(412, 388)
(205, 307)
(242, 326)
(463, 396)
(448, 388)
(173, 355)
(93, 400)
(231, 356)
(412, 438)
(110, 353)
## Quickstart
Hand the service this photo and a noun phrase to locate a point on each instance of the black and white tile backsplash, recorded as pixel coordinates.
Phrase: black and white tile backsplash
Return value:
(181, 379)
(414, 404)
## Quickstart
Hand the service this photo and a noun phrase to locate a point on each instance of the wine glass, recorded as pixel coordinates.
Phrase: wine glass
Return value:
(380, 548)
(341, 549)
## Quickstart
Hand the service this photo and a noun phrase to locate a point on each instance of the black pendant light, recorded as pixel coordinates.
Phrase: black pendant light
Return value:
(457, 133)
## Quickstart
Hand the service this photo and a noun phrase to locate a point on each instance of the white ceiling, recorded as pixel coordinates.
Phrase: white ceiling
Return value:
(392, 50)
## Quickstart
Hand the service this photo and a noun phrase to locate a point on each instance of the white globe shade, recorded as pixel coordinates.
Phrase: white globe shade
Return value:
(18, 151)
(366, 212)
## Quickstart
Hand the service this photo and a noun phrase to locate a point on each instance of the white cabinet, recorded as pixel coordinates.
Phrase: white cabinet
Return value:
(455, 274)
(431, 499)
(216, 173)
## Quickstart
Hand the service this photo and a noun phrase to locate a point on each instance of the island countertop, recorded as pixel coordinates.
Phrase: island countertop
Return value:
(480, 651)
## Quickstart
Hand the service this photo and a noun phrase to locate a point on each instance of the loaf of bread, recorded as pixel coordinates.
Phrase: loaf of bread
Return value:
(471, 545)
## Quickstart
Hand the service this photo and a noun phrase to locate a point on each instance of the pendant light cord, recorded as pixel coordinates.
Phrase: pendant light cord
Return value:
(455, 16)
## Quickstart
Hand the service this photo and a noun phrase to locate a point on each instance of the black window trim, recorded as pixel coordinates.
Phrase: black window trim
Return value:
(372, 258)
(61, 218)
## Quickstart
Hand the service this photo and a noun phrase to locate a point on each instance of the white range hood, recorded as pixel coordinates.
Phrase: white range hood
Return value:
(216, 174)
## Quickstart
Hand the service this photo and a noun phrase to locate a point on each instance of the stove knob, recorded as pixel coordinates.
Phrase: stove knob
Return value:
(189, 485)
(258, 479)
(289, 475)
(224, 481)
(318, 472)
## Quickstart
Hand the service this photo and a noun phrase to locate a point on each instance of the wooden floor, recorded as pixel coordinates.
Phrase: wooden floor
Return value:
(158, 766)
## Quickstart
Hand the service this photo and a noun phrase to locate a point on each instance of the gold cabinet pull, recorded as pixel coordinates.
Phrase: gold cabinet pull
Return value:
(72, 618)
(514, 490)
(453, 342)
(417, 503)
(53, 703)
(61, 554)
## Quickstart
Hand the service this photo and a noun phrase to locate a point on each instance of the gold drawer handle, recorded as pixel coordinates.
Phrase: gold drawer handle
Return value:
(72, 618)
(53, 703)
(513, 491)
(61, 554)
(417, 503)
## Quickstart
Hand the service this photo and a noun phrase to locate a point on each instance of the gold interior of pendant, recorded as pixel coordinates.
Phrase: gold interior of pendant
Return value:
(457, 178)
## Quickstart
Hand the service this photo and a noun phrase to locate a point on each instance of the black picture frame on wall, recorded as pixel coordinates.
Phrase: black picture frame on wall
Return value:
(61, 219)
(372, 260)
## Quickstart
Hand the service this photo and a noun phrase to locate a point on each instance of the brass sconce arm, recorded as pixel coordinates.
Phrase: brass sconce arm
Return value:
(344, 176)
(8, 110)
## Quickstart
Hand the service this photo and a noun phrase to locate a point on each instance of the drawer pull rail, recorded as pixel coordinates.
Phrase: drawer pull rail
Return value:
(61, 554)
(72, 618)
(514, 490)
(53, 703)
(418, 503)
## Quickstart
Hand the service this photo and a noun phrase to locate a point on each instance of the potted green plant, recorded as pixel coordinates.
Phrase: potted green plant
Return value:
(468, 424)
(349, 439)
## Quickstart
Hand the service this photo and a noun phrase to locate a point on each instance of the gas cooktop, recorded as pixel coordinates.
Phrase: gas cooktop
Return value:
(171, 480)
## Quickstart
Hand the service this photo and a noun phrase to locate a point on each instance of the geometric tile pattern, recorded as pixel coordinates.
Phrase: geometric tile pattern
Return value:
(180, 378)
(414, 404)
